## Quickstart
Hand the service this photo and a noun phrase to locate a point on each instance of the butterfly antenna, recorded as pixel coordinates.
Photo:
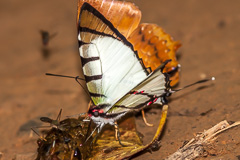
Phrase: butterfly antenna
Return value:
(76, 115)
(76, 78)
(59, 75)
(201, 81)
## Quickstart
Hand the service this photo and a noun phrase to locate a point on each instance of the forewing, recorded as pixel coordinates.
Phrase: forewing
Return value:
(151, 90)
(110, 65)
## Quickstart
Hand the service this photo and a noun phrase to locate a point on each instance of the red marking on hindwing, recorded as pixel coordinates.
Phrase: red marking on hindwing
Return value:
(155, 100)
(149, 103)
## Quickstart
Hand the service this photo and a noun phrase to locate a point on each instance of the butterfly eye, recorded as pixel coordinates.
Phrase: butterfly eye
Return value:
(96, 114)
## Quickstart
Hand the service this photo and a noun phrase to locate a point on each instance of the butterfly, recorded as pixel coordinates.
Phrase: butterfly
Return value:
(153, 44)
(116, 78)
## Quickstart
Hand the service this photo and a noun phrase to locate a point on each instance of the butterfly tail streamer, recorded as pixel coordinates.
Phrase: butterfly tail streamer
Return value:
(198, 82)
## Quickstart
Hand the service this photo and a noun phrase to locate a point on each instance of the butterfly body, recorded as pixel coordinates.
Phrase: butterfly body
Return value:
(99, 117)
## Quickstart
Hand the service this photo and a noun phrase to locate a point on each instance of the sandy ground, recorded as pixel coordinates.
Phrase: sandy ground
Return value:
(208, 30)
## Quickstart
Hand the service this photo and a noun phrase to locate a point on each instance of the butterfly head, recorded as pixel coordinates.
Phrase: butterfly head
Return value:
(95, 111)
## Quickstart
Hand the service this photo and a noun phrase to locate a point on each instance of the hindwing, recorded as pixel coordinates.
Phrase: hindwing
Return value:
(153, 89)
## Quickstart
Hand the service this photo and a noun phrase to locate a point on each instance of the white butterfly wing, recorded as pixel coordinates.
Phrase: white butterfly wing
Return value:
(110, 65)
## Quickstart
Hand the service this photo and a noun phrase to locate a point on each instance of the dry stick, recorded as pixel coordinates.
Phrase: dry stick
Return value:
(195, 147)
(224, 129)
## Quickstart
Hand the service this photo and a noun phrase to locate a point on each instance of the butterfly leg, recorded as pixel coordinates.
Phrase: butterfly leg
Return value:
(94, 139)
(116, 130)
(99, 128)
(92, 134)
(117, 134)
(145, 120)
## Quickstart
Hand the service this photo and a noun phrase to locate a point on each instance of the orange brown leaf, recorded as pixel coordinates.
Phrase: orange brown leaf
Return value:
(155, 46)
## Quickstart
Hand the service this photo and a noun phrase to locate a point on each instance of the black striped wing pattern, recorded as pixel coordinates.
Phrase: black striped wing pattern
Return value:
(115, 76)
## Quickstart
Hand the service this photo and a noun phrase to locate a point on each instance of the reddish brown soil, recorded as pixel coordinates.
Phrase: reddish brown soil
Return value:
(208, 30)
